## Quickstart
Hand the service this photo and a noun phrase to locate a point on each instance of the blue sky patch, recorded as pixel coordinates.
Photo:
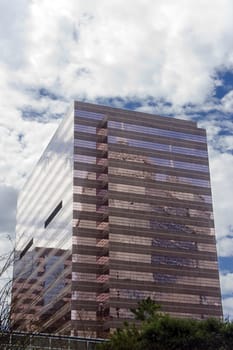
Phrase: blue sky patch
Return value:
(227, 83)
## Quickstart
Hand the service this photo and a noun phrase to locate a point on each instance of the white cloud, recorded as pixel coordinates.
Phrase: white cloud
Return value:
(227, 102)
(227, 283)
(13, 33)
(225, 143)
(8, 196)
(221, 166)
(79, 48)
(225, 246)
(228, 307)
(21, 145)
(220, 142)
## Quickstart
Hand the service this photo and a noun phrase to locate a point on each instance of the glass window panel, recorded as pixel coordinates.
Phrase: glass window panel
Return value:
(83, 143)
(89, 115)
(85, 128)
(84, 159)
(159, 146)
(155, 131)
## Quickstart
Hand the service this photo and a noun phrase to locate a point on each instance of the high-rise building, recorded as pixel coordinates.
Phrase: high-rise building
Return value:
(117, 209)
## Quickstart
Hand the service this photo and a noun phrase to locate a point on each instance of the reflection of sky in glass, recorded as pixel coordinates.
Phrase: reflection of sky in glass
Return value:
(57, 267)
(82, 174)
(84, 159)
(46, 261)
(170, 227)
(85, 128)
(49, 184)
(180, 165)
(84, 143)
(160, 147)
(153, 131)
(88, 115)
(185, 180)
(189, 151)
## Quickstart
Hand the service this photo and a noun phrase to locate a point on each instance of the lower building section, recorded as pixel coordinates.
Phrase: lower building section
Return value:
(120, 265)
(41, 296)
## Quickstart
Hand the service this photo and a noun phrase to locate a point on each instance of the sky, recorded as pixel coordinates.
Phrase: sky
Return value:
(170, 57)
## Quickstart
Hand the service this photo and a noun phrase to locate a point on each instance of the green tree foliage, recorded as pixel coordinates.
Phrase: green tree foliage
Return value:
(123, 339)
(159, 331)
(147, 309)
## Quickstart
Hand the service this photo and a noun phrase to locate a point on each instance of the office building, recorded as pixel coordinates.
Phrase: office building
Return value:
(117, 209)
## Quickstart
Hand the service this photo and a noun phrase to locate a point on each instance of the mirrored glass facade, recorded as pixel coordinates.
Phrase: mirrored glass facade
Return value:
(42, 270)
(118, 209)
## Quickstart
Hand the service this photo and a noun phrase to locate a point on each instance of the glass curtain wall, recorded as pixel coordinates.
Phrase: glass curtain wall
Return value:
(118, 209)
(143, 221)
(42, 268)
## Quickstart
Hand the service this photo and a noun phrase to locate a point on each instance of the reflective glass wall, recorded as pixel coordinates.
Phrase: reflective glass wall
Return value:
(143, 221)
(118, 209)
(42, 270)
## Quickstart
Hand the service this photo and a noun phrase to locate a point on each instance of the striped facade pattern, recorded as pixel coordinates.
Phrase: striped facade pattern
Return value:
(41, 291)
(132, 192)
(143, 223)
